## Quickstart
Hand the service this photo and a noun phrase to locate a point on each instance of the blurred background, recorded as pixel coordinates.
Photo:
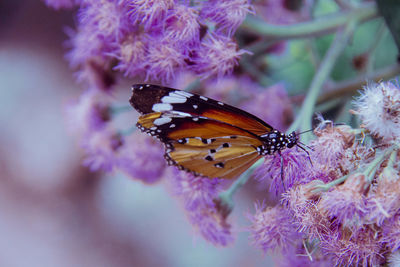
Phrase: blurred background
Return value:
(53, 211)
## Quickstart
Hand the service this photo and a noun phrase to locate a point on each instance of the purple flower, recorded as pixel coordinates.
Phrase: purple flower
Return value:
(59, 4)
(391, 233)
(149, 13)
(131, 53)
(141, 157)
(272, 227)
(357, 248)
(298, 256)
(228, 14)
(271, 104)
(346, 203)
(90, 113)
(284, 12)
(181, 25)
(384, 197)
(285, 174)
(217, 55)
(302, 201)
(163, 59)
(203, 207)
(105, 18)
(100, 149)
(379, 109)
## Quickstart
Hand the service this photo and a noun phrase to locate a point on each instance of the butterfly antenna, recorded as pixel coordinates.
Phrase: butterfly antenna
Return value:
(300, 144)
(305, 131)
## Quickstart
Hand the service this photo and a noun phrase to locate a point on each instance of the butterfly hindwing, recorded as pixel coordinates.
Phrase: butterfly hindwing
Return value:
(219, 157)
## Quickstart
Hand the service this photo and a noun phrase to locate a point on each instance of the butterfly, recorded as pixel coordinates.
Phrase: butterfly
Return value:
(204, 136)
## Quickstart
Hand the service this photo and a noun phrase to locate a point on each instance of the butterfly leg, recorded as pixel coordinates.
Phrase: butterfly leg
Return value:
(280, 155)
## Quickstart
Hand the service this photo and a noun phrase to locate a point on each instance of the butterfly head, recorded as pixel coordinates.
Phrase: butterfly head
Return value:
(292, 139)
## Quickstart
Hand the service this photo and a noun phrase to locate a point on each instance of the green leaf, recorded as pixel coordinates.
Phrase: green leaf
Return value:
(390, 10)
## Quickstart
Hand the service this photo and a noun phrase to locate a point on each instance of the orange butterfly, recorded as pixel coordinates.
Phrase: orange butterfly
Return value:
(204, 136)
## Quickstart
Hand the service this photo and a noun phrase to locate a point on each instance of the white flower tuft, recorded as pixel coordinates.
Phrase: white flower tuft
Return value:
(379, 109)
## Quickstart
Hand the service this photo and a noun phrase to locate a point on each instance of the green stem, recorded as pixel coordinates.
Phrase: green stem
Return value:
(226, 197)
(304, 119)
(373, 166)
(369, 172)
(318, 26)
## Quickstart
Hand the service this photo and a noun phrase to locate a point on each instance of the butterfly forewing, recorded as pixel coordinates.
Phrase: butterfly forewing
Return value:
(144, 97)
(201, 135)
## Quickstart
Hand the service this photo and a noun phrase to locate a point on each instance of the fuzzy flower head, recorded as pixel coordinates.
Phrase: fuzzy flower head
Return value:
(148, 13)
(100, 149)
(270, 104)
(204, 209)
(384, 198)
(163, 60)
(286, 170)
(181, 25)
(346, 203)
(357, 248)
(141, 157)
(379, 109)
(90, 113)
(391, 234)
(228, 14)
(272, 228)
(217, 55)
(131, 53)
(336, 152)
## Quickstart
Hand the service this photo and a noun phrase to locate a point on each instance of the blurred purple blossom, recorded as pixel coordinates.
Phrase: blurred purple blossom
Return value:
(227, 14)
(154, 39)
(284, 12)
(270, 104)
(141, 157)
(59, 4)
(272, 228)
(203, 207)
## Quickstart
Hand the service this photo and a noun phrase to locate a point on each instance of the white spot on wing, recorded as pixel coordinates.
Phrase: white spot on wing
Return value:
(183, 93)
(173, 99)
(195, 106)
(178, 114)
(204, 98)
(172, 125)
(220, 103)
(195, 119)
(162, 120)
(160, 107)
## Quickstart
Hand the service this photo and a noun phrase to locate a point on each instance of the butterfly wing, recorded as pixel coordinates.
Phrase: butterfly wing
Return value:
(201, 135)
(152, 98)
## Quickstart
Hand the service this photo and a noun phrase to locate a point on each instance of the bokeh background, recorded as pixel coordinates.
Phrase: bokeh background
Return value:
(53, 211)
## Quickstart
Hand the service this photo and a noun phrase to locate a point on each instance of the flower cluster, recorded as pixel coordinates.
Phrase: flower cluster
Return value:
(203, 206)
(348, 200)
(155, 39)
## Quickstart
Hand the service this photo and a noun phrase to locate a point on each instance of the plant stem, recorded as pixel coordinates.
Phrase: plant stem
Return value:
(226, 197)
(318, 26)
(303, 121)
